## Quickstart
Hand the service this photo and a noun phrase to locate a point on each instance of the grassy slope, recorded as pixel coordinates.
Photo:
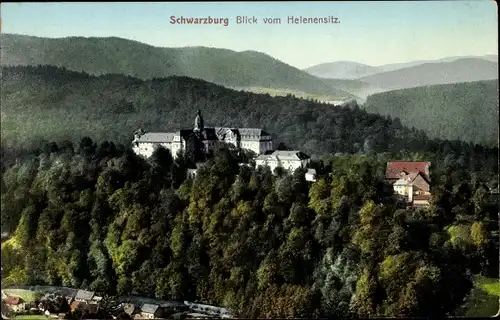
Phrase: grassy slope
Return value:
(361, 90)
(483, 300)
(26, 295)
(120, 56)
(464, 111)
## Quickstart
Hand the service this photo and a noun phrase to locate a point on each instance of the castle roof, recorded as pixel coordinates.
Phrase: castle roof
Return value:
(252, 133)
(157, 137)
(215, 133)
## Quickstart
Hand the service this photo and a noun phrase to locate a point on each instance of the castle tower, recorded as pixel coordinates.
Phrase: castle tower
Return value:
(198, 122)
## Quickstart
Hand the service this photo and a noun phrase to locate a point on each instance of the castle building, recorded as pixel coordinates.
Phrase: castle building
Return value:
(208, 139)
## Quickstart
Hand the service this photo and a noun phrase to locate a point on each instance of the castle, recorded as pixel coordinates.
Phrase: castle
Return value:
(206, 139)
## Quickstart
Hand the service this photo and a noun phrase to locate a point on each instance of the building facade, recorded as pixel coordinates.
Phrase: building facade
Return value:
(205, 139)
(288, 160)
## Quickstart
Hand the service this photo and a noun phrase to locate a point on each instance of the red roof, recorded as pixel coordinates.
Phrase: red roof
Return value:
(75, 304)
(395, 168)
(13, 301)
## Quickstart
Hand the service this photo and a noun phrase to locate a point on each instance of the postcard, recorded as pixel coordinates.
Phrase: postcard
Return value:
(256, 159)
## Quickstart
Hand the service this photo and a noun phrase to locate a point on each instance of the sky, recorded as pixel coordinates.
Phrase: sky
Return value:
(372, 32)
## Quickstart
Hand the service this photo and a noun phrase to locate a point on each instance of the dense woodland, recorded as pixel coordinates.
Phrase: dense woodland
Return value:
(97, 216)
(51, 104)
(463, 111)
(89, 213)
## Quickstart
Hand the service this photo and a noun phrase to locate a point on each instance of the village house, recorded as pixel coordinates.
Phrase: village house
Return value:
(410, 181)
(288, 160)
(131, 309)
(67, 293)
(149, 311)
(202, 138)
(84, 296)
(14, 303)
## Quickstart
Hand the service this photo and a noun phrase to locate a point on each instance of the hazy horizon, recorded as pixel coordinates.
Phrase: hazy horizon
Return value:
(199, 46)
(372, 33)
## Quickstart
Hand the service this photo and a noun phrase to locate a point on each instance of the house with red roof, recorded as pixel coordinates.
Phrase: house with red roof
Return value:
(411, 181)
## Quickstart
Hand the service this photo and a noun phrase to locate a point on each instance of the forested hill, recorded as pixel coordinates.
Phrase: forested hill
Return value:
(54, 104)
(464, 111)
(96, 216)
(114, 55)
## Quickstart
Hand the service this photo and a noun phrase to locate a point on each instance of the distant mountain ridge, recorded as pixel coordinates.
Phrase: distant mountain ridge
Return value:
(114, 55)
(433, 73)
(356, 70)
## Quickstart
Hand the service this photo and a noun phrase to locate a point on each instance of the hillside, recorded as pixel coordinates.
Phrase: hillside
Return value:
(464, 111)
(120, 56)
(97, 217)
(461, 70)
(90, 214)
(55, 104)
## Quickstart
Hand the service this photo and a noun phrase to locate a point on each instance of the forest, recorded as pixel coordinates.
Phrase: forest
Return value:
(85, 212)
(95, 215)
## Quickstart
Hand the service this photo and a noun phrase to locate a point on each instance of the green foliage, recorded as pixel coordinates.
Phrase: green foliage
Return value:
(240, 237)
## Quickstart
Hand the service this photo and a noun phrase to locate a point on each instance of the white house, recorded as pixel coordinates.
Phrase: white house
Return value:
(149, 311)
(288, 160)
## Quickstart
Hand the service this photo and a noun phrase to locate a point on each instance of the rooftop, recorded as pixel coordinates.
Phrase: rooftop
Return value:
(284, 155)
(84, 295)
(157, 137)
(215, 133)
(149, 308)
(395, 168)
